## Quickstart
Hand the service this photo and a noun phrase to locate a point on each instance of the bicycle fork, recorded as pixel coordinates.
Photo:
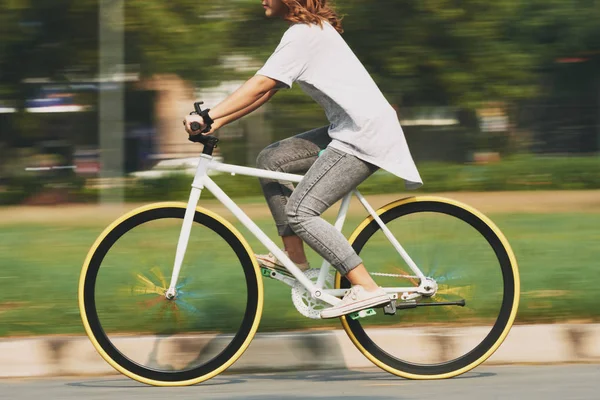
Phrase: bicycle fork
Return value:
(188, 219)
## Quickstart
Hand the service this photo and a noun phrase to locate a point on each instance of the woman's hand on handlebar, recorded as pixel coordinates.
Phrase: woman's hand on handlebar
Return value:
(189, 119)
(193, 118)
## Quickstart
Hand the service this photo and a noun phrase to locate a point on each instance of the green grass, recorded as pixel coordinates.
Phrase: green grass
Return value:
(558, 257)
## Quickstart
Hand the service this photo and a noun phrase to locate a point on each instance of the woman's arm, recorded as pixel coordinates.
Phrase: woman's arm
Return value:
(221, 122)
(247, 94)
(244, 100)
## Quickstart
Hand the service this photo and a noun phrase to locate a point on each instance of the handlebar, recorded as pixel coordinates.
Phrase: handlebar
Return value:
(209, 142)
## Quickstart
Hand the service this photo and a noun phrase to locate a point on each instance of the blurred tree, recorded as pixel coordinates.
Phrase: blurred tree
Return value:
(441, 52)
(449, 52)
(551, 29)
(461, 53)
(426, 52)
(421, 53)
(565, 39)
(59, 39)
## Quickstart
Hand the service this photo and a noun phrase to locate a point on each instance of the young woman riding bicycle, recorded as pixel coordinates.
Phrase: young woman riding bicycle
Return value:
(364, 135)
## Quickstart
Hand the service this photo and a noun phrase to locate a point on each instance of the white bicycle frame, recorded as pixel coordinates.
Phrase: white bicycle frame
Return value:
(330, 296)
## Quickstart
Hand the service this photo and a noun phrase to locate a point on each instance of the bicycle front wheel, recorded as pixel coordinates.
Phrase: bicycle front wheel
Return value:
(469, 260)
(188, 339)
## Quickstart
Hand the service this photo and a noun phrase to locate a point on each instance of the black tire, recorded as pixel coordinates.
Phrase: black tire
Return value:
(507, 299)
(97, 322)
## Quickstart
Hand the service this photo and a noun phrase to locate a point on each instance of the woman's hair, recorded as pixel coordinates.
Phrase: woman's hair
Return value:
(312, 12)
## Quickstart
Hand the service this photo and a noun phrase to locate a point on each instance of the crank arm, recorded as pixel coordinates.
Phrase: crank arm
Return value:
(277, 276)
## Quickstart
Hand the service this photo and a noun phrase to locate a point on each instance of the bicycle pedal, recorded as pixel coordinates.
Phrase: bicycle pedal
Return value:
(369, 312)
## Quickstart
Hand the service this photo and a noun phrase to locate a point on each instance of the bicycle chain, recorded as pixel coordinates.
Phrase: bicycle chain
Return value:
(394, 275)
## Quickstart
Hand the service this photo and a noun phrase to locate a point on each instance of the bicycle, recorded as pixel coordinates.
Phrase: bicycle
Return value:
(478, 284)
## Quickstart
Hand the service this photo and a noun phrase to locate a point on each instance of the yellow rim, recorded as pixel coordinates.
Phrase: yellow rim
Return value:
(513, 263)
(151, 381)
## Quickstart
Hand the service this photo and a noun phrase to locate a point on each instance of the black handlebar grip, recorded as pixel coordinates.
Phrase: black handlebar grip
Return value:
(195, 126)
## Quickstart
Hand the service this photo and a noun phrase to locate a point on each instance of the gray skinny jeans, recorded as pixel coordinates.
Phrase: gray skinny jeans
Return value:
(328, 179)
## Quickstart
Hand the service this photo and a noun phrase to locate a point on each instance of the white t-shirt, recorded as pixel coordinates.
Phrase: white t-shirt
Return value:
(363, 123)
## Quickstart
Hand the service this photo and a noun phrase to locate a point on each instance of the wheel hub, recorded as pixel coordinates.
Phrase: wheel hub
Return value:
(428, 287)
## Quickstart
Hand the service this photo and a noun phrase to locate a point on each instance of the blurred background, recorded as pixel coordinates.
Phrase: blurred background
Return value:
(500, 103)
(472, 83)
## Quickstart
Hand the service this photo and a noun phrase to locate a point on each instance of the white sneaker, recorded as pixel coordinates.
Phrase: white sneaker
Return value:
(356, 299)
(269, 261)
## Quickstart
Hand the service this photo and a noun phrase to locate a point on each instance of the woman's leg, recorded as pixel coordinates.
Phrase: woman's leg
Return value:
(330, 178)
(293, 155)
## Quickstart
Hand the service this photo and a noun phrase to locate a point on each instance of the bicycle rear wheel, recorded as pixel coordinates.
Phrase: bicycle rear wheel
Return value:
(469, 259)
(189, 339)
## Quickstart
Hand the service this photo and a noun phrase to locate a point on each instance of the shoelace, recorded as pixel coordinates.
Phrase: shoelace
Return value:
(352, 293)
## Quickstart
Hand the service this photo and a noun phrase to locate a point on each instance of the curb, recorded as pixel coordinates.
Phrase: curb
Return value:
(75, 356)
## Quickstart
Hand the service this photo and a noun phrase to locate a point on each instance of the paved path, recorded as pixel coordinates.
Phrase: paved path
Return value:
(509, 382)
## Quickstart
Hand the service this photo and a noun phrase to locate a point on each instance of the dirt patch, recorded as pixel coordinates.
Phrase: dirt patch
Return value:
(486, 202)
(587, 201)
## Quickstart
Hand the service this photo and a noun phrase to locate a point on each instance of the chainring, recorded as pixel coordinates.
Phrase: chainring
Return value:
(302, 299)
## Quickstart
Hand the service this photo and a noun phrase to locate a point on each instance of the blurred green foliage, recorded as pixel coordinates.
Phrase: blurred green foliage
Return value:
(515, 173)
(450, 53)
(59, 39)
(429, 51)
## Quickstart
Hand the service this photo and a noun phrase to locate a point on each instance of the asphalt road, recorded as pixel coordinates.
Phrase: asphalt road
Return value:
(509, 382)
